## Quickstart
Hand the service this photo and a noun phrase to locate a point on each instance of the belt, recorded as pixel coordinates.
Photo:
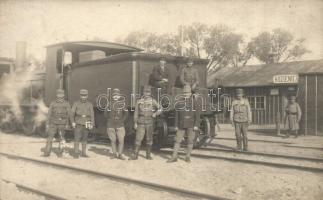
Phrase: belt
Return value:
(83, 116)
(292, 113)
(187, 117)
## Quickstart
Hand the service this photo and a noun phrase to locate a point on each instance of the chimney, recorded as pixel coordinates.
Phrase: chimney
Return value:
(21, 60)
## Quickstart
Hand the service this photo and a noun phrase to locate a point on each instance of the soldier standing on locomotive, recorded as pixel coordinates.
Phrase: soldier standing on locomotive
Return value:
(161, 76)
(186, 122)
(293, 116)
(116, 117)
(189, 76)
(82, 119)
(57, 121)
(146, 110)
(240, 117)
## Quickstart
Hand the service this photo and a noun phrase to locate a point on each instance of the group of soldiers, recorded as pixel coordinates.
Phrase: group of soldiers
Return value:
(241, 118)
(60, 116)
(81, 117)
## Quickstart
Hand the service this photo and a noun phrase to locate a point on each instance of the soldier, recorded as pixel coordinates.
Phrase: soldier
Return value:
(146, 110)
(293, 116)
(161, 76)
(82, 118)
(189, 75)
(57, 121)
(187, 121)
(116, 117)
(240, 117)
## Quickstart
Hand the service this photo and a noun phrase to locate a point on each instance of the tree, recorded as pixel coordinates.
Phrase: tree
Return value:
(277, 46)
(195, 35)
(225, 48)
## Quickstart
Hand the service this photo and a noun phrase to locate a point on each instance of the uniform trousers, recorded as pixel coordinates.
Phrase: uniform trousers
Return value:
(241, 129)
(142, 130)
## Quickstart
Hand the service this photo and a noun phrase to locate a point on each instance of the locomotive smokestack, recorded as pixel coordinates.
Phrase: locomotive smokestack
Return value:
(21, 59)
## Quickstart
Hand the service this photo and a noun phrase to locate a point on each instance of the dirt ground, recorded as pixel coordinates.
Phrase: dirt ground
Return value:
(221, 178)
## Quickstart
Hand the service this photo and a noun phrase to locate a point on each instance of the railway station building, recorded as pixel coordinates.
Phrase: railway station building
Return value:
(267, 88)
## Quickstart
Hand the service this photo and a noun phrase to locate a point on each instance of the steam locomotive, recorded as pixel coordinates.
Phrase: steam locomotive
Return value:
(97, 66)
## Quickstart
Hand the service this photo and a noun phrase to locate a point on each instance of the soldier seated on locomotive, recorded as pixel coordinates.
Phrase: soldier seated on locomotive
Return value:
(293, 116)
(186, 121)
(116, 116)
(146, 110)
(240, 117)
(189, 76)
(161, 76)
(57, 122)
(82, 119)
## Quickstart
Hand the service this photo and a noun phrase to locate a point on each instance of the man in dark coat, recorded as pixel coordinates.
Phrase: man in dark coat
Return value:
(187, 120)
(161, 76)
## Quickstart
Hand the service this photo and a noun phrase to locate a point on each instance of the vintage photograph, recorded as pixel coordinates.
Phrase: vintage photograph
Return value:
(161, 99)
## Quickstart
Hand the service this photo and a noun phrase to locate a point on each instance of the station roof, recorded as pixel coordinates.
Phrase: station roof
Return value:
(262, 75)
(96, 45)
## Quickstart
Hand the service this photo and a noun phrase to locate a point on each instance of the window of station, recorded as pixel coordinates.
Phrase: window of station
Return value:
(257, 102)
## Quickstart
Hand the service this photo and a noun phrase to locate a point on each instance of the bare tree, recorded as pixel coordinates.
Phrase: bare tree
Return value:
(195, 35)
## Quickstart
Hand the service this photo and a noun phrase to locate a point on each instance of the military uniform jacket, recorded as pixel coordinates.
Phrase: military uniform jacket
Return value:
(189, 116)
(115, 117)
(189, 76)
(82, 112)
(240, 111)
(59, 113)
(159, 73)
(144, 110)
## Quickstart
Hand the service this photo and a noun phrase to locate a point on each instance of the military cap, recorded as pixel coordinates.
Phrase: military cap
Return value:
(115, 91)
(84, 92)
(187, 89)
(147, 89)
(60, 93)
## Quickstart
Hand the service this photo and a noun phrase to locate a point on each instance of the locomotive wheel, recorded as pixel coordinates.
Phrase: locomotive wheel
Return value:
(202, 135)
(8, 127)
(161, 136)
(29, 127)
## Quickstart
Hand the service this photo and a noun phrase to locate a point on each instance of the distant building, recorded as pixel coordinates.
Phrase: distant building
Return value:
(268, 86)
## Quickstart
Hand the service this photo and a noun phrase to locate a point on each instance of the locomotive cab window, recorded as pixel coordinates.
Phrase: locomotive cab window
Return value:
(59, 60)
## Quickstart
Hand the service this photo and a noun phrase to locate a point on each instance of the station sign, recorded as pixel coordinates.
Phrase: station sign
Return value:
(286, 78)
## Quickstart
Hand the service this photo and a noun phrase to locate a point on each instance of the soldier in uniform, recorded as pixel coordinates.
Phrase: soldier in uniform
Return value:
(187, 121)
(82, 119)
(293, 116)
(57, 121)
(240, 117)
(146, 110)
(116, 117)
(161, 75)
(189, 75)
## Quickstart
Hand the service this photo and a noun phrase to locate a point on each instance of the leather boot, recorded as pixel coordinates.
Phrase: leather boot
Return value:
(84, 150)
(148, 152)
(48, 149)
(175, 152)
(76, 150)
(188, 153)
(245, 144)
(135, 153)
(239, 145)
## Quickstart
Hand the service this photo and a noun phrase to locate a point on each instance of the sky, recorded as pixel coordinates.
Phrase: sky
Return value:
(45, 22)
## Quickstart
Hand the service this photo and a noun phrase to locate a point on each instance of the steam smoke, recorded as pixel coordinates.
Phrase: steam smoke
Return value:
(12, 87)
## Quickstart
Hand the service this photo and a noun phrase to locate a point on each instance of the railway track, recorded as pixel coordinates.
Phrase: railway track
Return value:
(37, 192)
(156, 186)
(256, 162)
(263, 154)
(255, 140)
